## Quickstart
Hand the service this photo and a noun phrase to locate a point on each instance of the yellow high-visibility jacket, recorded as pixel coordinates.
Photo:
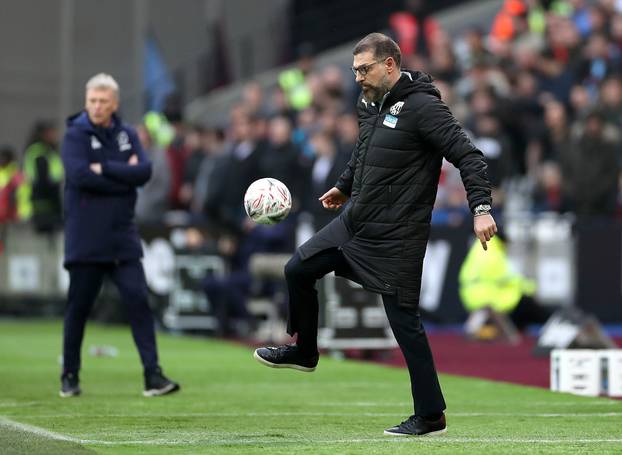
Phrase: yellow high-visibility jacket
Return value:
(292, 82)
(487, 280)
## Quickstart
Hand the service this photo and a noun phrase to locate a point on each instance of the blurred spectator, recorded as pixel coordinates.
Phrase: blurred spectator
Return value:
(455, 103)
(229, 294)
(521, 117)
(234, 171)
(591, 167)
(193, 143)
(482, 101)
(177, 151)
(282, 160)
(482, 76)
(449, 207)
(487, 280)
(328, 165)
(347, 134)
(494, 144)
(153, 198)
(305, 125)
(615, 31)
(548, 193)
(159, 128)
(611, 100)
(293, 81)
(580, 102)
(581, 17)
(551, 141)
(442, 61)
(509, 22)
(329, 91)
(470, 49)
(413, 29)
(43, 170)
(212, 146)
(253, 99)
(14, 192)
(599, 61)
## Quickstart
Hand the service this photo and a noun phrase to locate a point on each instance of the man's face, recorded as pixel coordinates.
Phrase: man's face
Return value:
(101, 103)
(375, 81)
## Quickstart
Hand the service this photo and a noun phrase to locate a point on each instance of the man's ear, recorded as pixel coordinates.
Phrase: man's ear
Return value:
(390, 64)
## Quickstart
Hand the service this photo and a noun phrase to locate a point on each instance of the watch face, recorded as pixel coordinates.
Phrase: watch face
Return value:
(482, 209)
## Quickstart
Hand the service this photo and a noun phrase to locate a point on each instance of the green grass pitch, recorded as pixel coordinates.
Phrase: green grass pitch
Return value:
(230, 404)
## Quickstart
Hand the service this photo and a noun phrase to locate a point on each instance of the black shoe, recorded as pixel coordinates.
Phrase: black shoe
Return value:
(157, 384)
(70, 385)
(286, 356)
(418, 426)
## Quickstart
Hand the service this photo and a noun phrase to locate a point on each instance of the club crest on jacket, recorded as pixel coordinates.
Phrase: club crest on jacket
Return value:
(95, 144)
(396, 108)
(124, 141)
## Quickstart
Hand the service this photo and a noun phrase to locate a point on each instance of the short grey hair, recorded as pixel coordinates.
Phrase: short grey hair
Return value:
(105, 81)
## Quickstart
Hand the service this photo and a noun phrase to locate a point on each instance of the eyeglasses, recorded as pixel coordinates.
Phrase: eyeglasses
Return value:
(364, 69)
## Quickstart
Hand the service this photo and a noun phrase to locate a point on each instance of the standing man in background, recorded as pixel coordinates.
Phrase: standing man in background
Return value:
(104, 164)
(380, 238)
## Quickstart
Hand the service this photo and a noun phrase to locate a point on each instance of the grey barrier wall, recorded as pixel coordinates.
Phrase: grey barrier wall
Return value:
(31, 264)
(542, 248)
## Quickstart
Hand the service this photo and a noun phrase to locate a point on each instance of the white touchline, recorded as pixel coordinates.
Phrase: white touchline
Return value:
(213, 440)
(4, 422)
(334, 414)
(12, 424)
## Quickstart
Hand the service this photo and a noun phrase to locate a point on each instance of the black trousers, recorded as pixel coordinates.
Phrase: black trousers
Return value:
(405, 323)
(528, 311)
(85, 281)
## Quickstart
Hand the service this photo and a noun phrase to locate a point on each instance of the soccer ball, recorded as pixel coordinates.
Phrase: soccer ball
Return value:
(267, 201)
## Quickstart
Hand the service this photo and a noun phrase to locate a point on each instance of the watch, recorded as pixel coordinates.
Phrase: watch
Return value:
(482, 209)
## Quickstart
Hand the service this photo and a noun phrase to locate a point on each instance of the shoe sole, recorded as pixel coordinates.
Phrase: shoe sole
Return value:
(293, 366)
(159, 392)
(431, 433)
(68, 394)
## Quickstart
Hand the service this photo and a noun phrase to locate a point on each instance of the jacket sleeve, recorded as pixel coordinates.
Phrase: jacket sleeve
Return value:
(439, 128)
(344, 183)
(134, 175)
(77, 168)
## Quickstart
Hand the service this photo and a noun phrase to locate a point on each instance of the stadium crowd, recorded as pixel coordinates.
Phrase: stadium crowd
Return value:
(539, 91)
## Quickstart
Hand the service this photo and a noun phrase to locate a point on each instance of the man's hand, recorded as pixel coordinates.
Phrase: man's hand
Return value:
(485, 228)
(333, 199)
(96, 167)
(133, 160)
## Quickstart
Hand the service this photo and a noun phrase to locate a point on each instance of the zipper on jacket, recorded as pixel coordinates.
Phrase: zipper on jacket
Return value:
(371, 135)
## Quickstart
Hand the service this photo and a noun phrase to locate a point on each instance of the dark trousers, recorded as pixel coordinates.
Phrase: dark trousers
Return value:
(85, 281)
(405, 323)
(229, 296)
(528, 311)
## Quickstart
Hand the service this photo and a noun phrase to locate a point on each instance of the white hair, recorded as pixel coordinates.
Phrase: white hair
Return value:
(105, 81)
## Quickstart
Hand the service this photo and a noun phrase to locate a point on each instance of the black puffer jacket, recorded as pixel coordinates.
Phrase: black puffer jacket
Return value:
(392, 180)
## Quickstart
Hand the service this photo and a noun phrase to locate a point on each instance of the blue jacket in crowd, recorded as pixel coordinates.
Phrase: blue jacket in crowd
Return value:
(99, 208)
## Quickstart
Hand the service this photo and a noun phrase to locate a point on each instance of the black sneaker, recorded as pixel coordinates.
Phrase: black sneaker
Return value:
(70, 385)
(157, 384)
(418, 426)
(286, 356)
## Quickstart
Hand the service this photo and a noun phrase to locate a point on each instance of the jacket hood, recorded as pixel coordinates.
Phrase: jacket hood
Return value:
(81, 121)
(414, 81)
